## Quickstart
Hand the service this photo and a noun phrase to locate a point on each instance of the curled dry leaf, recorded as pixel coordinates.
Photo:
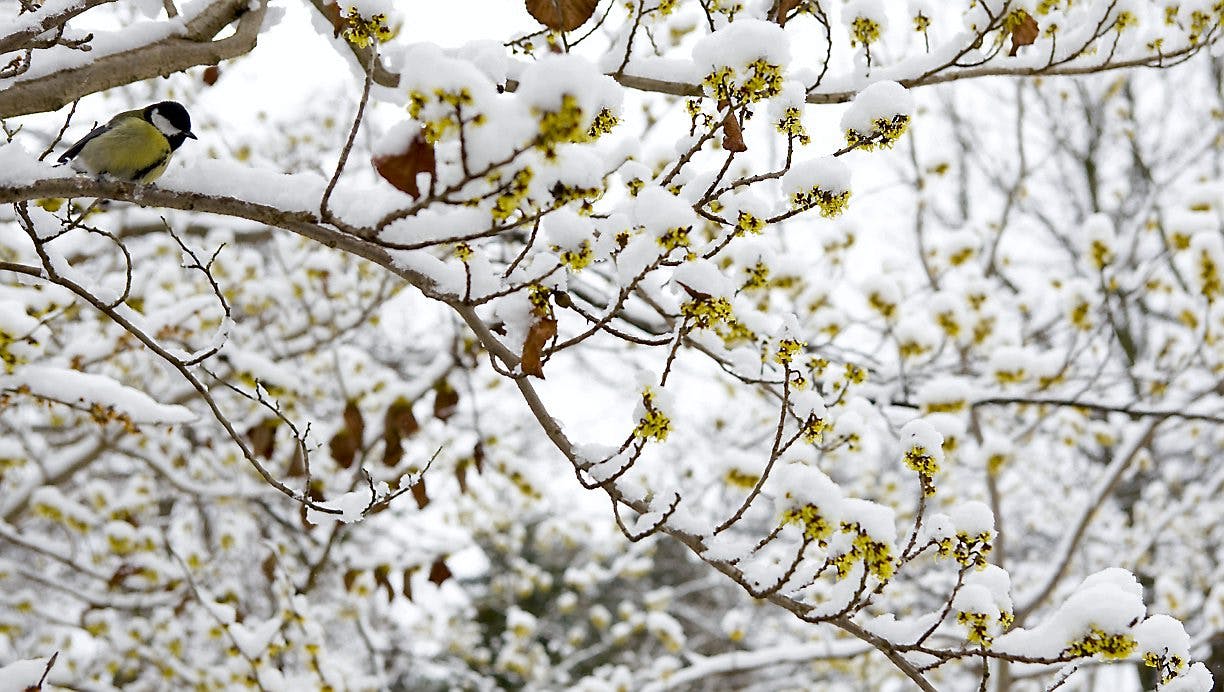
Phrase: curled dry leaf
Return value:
(262, 437)
(784, 8)
(538, 336)
(733, 135)
(401, 170)
(332, 12)
(561, 15)
(419, 494)
(446, 400)
(353, 421)
(1024, 33)
(344, 448)
(439, 572)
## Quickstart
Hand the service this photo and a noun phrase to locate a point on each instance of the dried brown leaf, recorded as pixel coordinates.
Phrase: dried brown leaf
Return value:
(419, 494)
(393, 449)
(561, 15)
(406, 587)
(784, 8)
(733, 135)
(401, 169)
(382, 578)
(400, 419)
(332, 12)
(1024, 33)
(354, 422)
(262, 437)
(538, 336)
(446, 400)
(344, 448)
(439, 572)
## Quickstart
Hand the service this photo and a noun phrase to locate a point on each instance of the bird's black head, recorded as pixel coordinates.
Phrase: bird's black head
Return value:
(172, 120)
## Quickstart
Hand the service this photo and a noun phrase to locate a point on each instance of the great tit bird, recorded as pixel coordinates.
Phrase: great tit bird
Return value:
(135, 145)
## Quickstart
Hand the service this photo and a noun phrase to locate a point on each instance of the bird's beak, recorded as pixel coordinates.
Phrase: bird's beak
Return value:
(190, 135)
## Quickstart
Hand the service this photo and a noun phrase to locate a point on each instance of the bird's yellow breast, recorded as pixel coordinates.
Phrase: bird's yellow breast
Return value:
(132, 149)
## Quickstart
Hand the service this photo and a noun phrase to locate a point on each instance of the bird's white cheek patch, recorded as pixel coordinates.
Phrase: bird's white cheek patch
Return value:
(163, 125)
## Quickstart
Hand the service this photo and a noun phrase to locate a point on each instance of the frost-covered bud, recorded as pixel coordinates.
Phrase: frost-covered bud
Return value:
(805, 496)
(823, 183)
(50, 503)
(922, 452)
(666, 217)
(17, 335)
(570, 236)
(366, 21)
(1079, 300)
(1010, 365)
(572, 100)
(1206, 259)
(878, 117)
(651, 413)
(744, 61)
(809, 408)
(883, 294)
(944, 395)
(708, 293)
(1097, 619)
(1100, 241)
(1164, 645)
(916, 337)
(874, 532)
(866, 21)
(977, 612)
(984, 604)
(965, 535)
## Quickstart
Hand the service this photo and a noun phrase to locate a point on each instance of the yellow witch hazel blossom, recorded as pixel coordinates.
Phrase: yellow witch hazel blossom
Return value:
(866, 21)
(872, 531)
(822, 183)
(804, 496)
(922, 450)
(743, 62)
(1101, 618)
(878, 117)
(965, 535)
(983, 605)
(571, 100)
(653, 421)
(366, 22)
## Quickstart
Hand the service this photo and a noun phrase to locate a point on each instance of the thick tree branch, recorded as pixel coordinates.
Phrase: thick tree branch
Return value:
(172, 54)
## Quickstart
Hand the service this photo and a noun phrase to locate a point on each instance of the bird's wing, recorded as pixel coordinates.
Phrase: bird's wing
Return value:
(76, 148)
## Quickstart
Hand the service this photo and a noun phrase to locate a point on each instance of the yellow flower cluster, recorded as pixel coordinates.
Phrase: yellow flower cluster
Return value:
(364, 31)
(762, 81)
(864, 30)
(654, 424)
(920, 461)
(791, 125)
(966, 549)
(831, 204)
(1097, 641)
(706, 313)
(508, 202)
(884, 133)
(875, 555)
(569, 124)
(815, 526)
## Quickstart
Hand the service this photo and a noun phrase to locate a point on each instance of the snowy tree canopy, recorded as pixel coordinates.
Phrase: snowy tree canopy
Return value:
(659, 344)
